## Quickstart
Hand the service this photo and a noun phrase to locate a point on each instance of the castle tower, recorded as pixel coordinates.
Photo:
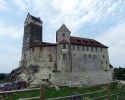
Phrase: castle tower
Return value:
(32, 35)
(32, 32)
(63, 49)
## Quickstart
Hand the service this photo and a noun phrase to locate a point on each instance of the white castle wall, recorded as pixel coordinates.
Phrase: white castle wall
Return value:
(93, 59)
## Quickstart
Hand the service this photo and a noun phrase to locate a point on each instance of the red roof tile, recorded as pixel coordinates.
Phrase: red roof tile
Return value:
(86, 41)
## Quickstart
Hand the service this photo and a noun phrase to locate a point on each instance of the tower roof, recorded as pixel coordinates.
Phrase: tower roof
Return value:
(63, 28)
(37, 19)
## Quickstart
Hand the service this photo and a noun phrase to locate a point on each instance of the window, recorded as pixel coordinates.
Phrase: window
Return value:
(106, 62)
(32, 49)
(49, 76)
(101, 49)
(73, 47)
(83, 48)
(103, 56)
(64, 46)
(87, 48)
(63, 34)
(79, 41)
(78, 47)
(92, 49)
(50, 57)
(96, 49)
(94, 56)
(84, 56)
(64, 56)
(102, 62)
(90, 56)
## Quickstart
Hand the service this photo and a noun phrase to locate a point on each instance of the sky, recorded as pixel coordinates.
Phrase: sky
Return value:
(103, 20)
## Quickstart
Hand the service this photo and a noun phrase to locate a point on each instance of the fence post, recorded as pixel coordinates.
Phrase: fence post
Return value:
(42, 93)
(108, 93)
(118, 96)
(11, 97)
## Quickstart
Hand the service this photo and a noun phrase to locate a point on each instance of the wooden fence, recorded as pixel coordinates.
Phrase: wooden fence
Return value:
(42, 95)
(10, 95)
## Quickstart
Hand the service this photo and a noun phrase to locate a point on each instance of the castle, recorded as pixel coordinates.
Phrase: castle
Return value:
(70, 61)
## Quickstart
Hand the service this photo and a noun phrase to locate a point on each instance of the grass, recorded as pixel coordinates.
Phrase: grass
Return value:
(66, 91)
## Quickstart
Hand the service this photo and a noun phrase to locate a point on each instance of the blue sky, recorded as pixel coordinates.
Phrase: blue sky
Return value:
(103, 20)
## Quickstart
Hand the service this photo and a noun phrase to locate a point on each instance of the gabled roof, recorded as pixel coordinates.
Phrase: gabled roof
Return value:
(86, 42)
(63, 28)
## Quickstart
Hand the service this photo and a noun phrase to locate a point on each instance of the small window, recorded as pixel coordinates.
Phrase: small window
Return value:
(92, 49)
(49, 76)
(63, 34)
(78, 47)
(50, 57)
(64, 46)
(89, 56)
(73, 47)
(94, 56)
(87, 48)
(83, 48)
(96, 49)
(79, 41)
(102, 62)
(84, 56)
(64, 56)
(101, 49)
(106, 62)
(103, 56)
(32, 49)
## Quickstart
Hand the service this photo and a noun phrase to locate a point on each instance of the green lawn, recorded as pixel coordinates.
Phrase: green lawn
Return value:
(66, 91)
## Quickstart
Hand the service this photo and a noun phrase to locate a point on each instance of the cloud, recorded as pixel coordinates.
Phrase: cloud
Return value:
(9, 61)
(115, 39)
(10, 31)
(10, 47)
(3, 5)
(21, 4)
(74, 13)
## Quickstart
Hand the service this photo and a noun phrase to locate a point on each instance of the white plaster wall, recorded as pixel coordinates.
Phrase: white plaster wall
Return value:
(81, 60)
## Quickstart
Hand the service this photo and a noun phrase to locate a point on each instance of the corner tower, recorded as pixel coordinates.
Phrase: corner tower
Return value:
(32, 32)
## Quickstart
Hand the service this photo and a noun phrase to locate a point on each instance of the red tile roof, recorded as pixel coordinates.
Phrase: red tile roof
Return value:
(74, 40)
(86, 41)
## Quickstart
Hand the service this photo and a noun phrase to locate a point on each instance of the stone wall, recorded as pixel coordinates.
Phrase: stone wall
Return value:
(83, 79)
(42, 57)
